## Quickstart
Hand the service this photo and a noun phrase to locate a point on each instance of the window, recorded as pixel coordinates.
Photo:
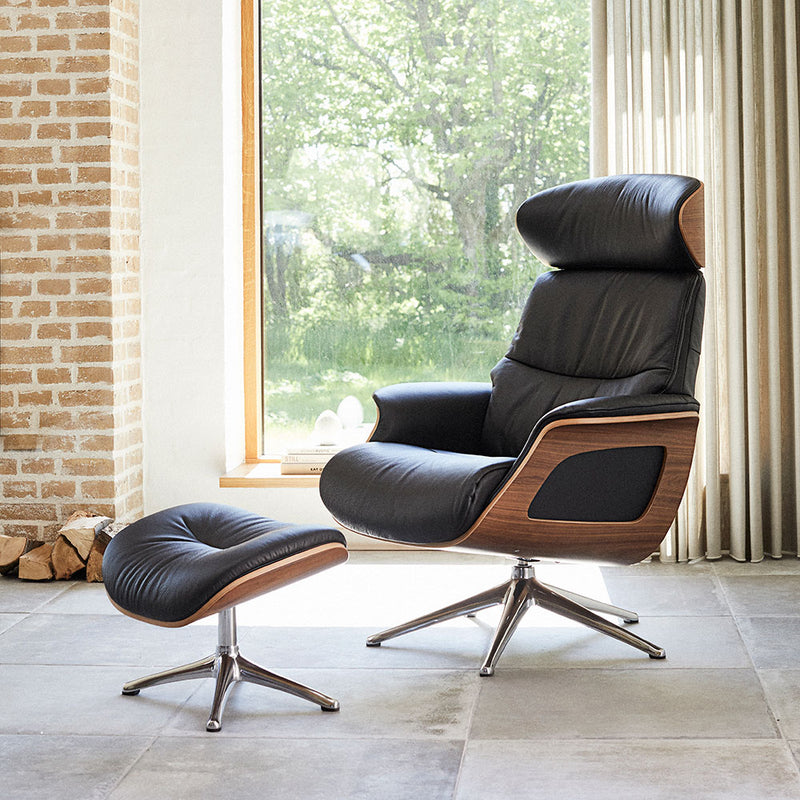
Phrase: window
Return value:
(397, 139)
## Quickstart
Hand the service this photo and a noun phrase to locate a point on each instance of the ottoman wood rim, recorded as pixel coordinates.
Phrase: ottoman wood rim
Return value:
(259, 581)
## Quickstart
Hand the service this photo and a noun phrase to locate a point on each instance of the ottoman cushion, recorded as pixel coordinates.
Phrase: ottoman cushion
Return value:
(168, 565)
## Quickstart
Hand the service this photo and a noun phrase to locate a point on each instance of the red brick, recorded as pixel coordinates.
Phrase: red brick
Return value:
(88, 330)
(16, 44)
(27, 355)
(88, 466)
(86, 397)
(83, 108)
(52, 375)
(37, 466)
(15, 176)
(8, 466)
(35, 308)
(25, 155)
(96, 375)
(16, 130)
(32, 22)
(11, 377)
(20, 442)
(54, 130)
(40, 198)
(19, 489)
(53, 42)
(23, 220)
(94, 174)
(15, 88)
(84, 308)
(98, 490)
(98, 85)
(14, 420)
(39, 512)
(35, 398)
(82, 64)
(15, 288)
(34, 108)
(57, 86)
(57, 286)
(10, 331)
(83, 354)
(54, 330)
(84, 219)
(24, 64)
(58, 489)
(53, 175)
(82, 21)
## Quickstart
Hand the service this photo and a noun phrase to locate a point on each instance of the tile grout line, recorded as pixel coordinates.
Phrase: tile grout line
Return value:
(467, 735)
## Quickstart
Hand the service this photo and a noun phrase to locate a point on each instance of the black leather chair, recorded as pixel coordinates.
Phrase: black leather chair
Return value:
(581, 447)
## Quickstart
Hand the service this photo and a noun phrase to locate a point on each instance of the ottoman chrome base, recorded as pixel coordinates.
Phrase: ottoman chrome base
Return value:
(229, 667)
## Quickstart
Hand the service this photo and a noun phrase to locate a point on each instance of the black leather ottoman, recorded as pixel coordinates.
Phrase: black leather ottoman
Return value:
(188, 562)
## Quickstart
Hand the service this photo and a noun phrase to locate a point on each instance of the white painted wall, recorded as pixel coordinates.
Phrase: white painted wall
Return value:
(191, 261)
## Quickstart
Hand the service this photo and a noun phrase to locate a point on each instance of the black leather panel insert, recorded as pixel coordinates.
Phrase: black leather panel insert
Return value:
(600, 486)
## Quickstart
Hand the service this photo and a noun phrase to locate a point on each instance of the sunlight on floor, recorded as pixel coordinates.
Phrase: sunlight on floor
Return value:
(379, 590)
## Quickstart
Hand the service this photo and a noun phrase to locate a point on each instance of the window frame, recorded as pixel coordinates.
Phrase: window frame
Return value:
(251, 239)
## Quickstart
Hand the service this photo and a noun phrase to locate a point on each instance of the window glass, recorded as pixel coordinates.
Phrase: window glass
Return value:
(398, 139)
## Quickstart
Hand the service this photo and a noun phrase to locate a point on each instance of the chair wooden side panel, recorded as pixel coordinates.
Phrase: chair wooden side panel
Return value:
(506, 528)
(691, 221)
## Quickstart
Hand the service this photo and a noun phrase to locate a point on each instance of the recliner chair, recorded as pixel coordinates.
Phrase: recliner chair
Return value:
(581, 447)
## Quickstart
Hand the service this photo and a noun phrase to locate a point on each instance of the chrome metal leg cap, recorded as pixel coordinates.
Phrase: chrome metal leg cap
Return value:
(487, 672)
(130, 691)
(334, 706)
(659, 654)
(213, 726)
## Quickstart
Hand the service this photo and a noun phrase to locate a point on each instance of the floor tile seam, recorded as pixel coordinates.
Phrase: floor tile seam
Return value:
(467, 735)
(151, 741)
(772, 713)
(249, 736)
(634, 740)
(13, 625)
(736, 621)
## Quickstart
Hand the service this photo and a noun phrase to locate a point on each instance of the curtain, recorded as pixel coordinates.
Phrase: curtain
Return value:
(710, 89)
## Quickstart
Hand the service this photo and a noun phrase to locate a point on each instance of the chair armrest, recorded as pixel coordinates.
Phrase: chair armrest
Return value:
(442, 416)
(621, 406)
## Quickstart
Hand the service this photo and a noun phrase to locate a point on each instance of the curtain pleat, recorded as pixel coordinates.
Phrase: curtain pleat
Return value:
(710, 89)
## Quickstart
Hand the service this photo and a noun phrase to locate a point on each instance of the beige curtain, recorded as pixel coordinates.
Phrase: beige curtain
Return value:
(710, 89)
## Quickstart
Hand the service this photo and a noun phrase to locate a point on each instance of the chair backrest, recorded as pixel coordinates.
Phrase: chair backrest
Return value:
(622, 313)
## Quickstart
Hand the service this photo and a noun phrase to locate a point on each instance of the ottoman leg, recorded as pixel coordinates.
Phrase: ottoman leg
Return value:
(204, 668)
(229, 667)
(252, 673)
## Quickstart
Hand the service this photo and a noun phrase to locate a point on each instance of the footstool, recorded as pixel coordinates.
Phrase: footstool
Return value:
(188, 562)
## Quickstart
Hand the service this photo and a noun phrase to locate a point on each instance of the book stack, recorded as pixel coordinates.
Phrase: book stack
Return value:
(307, 460)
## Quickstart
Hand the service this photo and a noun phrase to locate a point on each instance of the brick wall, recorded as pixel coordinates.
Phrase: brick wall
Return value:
(70, 360)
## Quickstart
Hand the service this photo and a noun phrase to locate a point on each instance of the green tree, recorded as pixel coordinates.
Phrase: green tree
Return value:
(403, 134)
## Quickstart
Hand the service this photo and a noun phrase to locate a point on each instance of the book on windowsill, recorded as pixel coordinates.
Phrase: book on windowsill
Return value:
(307, 459)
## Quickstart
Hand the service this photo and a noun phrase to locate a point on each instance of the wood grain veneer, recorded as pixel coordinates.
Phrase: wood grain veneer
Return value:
(506, 528)
(691, 220)
(260, 581)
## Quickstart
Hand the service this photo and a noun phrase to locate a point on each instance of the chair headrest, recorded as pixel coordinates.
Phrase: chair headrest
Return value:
(647, 222)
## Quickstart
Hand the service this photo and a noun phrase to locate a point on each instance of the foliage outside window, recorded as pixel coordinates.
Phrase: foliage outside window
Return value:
(398, 139)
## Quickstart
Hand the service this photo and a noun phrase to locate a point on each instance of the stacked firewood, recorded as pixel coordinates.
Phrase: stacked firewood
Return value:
(77, 549)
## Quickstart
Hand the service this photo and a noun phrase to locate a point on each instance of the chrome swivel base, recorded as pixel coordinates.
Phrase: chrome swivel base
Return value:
(228, 666)
(517, 596)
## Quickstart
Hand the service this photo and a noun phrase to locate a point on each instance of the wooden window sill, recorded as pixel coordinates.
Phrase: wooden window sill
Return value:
(265, 475)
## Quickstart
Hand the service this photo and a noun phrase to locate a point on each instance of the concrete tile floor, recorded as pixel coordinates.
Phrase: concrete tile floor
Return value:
(569, 714)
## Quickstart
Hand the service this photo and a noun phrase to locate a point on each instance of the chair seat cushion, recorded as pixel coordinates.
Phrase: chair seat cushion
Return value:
(168, 565)
(410, 494)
